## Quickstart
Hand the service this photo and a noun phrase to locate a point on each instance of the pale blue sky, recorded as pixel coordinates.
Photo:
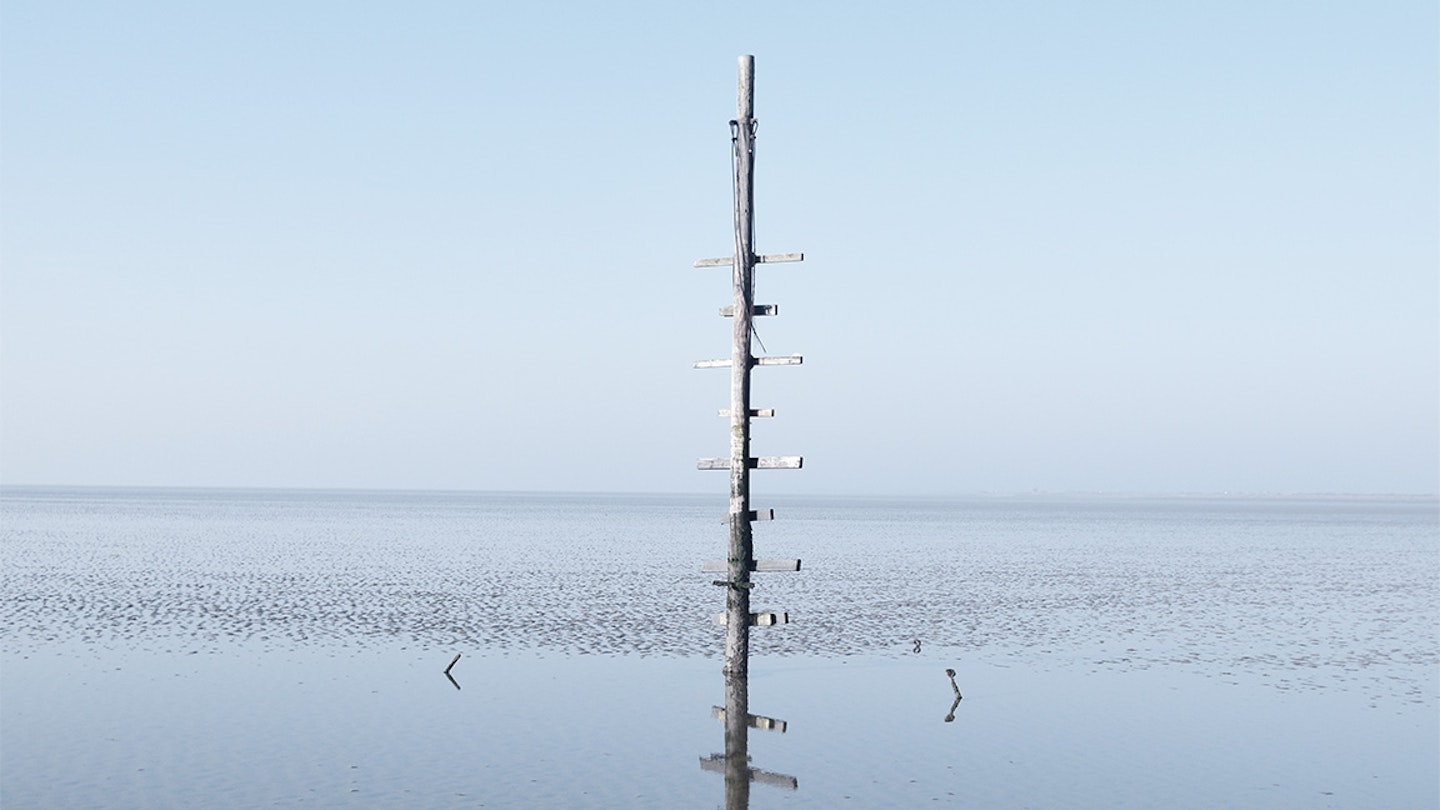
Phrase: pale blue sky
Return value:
(1113, 246)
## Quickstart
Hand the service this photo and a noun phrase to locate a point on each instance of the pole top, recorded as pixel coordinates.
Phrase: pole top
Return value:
(745, 97)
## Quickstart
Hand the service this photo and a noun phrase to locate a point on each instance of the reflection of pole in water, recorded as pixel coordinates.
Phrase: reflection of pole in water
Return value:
(737, 743)
(735, 762)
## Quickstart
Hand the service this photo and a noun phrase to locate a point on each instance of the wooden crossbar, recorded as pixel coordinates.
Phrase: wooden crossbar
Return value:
(772, 258)
(763, 619)
(759, 566)
(785, 360)
(756, 463)
(756, 514)
(760, 310)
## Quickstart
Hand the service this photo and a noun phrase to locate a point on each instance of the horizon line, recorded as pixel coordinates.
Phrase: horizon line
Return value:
(1017, 494)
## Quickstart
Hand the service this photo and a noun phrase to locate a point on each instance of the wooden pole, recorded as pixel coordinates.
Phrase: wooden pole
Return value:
(742, 550)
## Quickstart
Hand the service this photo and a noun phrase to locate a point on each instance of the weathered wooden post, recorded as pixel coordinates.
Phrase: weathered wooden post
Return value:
(742, 543)
(741, 559)
(737, 618)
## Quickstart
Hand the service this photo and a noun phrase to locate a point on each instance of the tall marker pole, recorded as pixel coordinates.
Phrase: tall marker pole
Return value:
(742, 547)
(737, 618)
(741, 561)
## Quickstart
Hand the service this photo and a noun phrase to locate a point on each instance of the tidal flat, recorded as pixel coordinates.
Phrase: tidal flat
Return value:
(272, 648)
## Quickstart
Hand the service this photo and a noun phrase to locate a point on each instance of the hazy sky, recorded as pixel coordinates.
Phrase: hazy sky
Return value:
(1109, 246)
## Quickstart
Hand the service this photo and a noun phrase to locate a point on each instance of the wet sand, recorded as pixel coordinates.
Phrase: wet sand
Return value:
(191, 648)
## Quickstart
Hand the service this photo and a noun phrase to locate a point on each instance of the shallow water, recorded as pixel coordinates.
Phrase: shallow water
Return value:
(178, 648)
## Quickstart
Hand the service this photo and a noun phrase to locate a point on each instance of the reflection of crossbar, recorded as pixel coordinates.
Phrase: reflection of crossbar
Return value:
(753, 720)
(715, 763)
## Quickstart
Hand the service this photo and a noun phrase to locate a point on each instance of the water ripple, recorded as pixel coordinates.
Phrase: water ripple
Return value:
(1307, 592)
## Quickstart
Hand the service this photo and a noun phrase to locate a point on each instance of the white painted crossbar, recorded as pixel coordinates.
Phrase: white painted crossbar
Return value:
(760, 310)
(764, 619)
(756, 515)
(772, 258)
(759, 566)
(785, 360)
(756, 463)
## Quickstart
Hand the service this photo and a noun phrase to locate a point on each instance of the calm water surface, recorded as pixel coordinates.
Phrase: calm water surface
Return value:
(253, 648)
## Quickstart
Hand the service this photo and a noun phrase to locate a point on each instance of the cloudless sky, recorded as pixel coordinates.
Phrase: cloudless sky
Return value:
(1110, 246)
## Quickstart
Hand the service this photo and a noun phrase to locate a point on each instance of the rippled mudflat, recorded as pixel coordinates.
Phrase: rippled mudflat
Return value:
(186, 648)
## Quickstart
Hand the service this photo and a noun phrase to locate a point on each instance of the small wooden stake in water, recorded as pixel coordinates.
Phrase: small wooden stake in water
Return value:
(452, 663)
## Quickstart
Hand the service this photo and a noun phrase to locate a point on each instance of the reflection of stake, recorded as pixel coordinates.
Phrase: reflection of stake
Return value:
(447, 671)
(950, 718)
